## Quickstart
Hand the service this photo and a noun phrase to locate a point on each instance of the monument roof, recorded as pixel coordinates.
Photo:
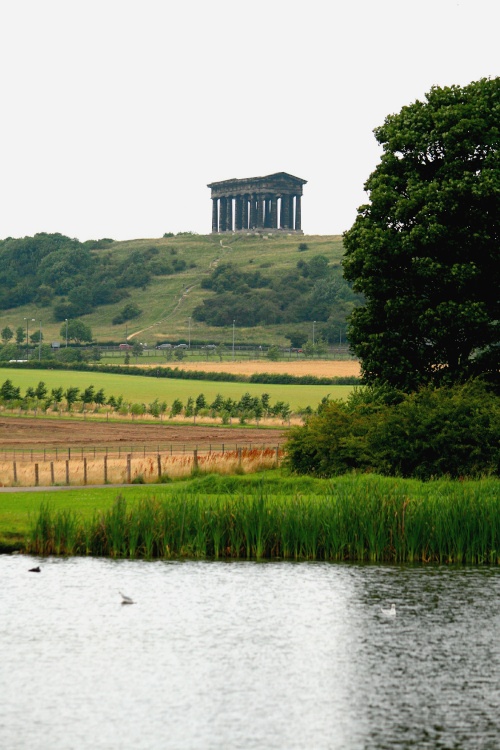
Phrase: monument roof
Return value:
(275, 180)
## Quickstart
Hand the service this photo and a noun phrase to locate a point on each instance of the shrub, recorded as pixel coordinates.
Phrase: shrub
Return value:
(453, 431)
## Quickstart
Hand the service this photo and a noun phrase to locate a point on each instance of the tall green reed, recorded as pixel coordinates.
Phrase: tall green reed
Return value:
(353, 518)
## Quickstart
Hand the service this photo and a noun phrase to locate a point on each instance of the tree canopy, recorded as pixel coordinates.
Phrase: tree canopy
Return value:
(425, 250)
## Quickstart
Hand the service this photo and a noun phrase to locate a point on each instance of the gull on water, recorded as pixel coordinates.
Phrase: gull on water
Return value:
(126, 599)
(389, 612)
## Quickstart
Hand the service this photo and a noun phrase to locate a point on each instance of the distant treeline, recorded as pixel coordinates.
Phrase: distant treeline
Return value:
(313, 291)
(180, 374)
(76, 277)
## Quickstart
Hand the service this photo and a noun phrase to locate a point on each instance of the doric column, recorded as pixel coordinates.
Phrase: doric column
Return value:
(260, 211)
(245, 212)
(222, 214)
(229, 219)
(285, 212)
(253, 211)
(290, 212)
(238, 213)
(298, 214)
(274, 212)
(267, 212)
(215, 216)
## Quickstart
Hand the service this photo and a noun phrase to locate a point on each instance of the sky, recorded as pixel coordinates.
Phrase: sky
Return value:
(115, 115)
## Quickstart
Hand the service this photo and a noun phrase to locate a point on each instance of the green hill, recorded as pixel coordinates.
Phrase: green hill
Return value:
(166, 280)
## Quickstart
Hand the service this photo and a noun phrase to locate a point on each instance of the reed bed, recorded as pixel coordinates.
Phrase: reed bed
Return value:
(367, 519)
(144, 469)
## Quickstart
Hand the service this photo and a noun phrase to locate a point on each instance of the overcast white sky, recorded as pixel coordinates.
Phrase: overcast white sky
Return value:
(116, 114)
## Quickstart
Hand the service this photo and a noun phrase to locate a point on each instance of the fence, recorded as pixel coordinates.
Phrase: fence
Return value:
(120, 467)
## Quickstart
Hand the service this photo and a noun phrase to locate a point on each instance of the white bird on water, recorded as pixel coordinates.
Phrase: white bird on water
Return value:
(126, 599)
(389, 612)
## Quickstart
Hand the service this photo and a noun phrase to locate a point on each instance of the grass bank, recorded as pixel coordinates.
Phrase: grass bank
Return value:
(271, 516)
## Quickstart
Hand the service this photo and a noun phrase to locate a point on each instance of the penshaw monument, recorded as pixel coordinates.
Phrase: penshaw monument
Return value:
(257, 204)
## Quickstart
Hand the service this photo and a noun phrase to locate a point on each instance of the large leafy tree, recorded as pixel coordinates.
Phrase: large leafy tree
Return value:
(76, 330)
(425, 250)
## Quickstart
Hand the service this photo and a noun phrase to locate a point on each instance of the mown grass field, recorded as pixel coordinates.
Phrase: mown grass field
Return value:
(139, 389)
(168, 302)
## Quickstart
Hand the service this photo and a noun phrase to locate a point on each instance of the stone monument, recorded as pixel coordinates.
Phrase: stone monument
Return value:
(257, 204)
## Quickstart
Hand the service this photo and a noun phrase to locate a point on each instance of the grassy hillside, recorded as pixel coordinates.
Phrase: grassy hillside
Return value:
(167, 302)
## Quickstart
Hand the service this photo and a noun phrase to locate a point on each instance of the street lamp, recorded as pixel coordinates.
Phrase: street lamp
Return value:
(233, 339)
(27, 339)
(66, 332)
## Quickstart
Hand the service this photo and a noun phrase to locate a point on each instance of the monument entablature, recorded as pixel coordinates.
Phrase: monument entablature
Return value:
(257, 204)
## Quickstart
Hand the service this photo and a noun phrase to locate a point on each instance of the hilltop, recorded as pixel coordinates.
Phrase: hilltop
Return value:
(166, 279)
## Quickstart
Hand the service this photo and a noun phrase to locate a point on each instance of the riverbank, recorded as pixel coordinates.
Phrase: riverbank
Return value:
(272, 516)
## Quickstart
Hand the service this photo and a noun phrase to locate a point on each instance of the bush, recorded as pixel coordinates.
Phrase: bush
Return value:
(449, 431)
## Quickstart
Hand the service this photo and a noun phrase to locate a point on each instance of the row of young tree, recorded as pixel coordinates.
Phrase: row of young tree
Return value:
(39, 398)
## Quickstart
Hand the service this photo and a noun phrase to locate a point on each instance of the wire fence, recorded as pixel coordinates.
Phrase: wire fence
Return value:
(141, 467)
(55, 453)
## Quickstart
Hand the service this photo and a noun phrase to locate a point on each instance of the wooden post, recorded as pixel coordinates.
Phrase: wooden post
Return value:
(37, 476)
(14, 466)
(158, 458)
(106, 468)
(129, 469)
(195, 458)
(85, 470)
(52, 481)
(277, 455)
(239, 456)
(67, 471)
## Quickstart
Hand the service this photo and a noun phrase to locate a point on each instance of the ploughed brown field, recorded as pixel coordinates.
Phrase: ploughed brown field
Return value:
(29, 433)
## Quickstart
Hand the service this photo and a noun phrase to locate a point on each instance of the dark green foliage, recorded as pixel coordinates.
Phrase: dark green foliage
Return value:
(8, 392)
(314, 291)
(47, 266)
(452, 431)
(7, 334)
(425, 251)
(130, 311)
(76, 330)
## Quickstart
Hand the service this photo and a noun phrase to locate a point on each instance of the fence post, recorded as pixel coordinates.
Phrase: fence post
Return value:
(52, 481)
(129, 469)
(106, 468)
(239, 457)
(195, 458)
(36, 475)
(67, 471)
(277, 455)
(158, 458)
(85, 470)
(14, 466)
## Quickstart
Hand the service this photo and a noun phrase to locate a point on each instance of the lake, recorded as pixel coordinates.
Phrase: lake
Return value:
(247, 655)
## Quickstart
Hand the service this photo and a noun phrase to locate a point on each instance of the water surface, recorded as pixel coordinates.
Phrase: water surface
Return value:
(247, 655)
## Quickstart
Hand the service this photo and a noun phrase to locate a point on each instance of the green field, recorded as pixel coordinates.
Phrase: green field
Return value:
(137, 389)
(168, 301)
